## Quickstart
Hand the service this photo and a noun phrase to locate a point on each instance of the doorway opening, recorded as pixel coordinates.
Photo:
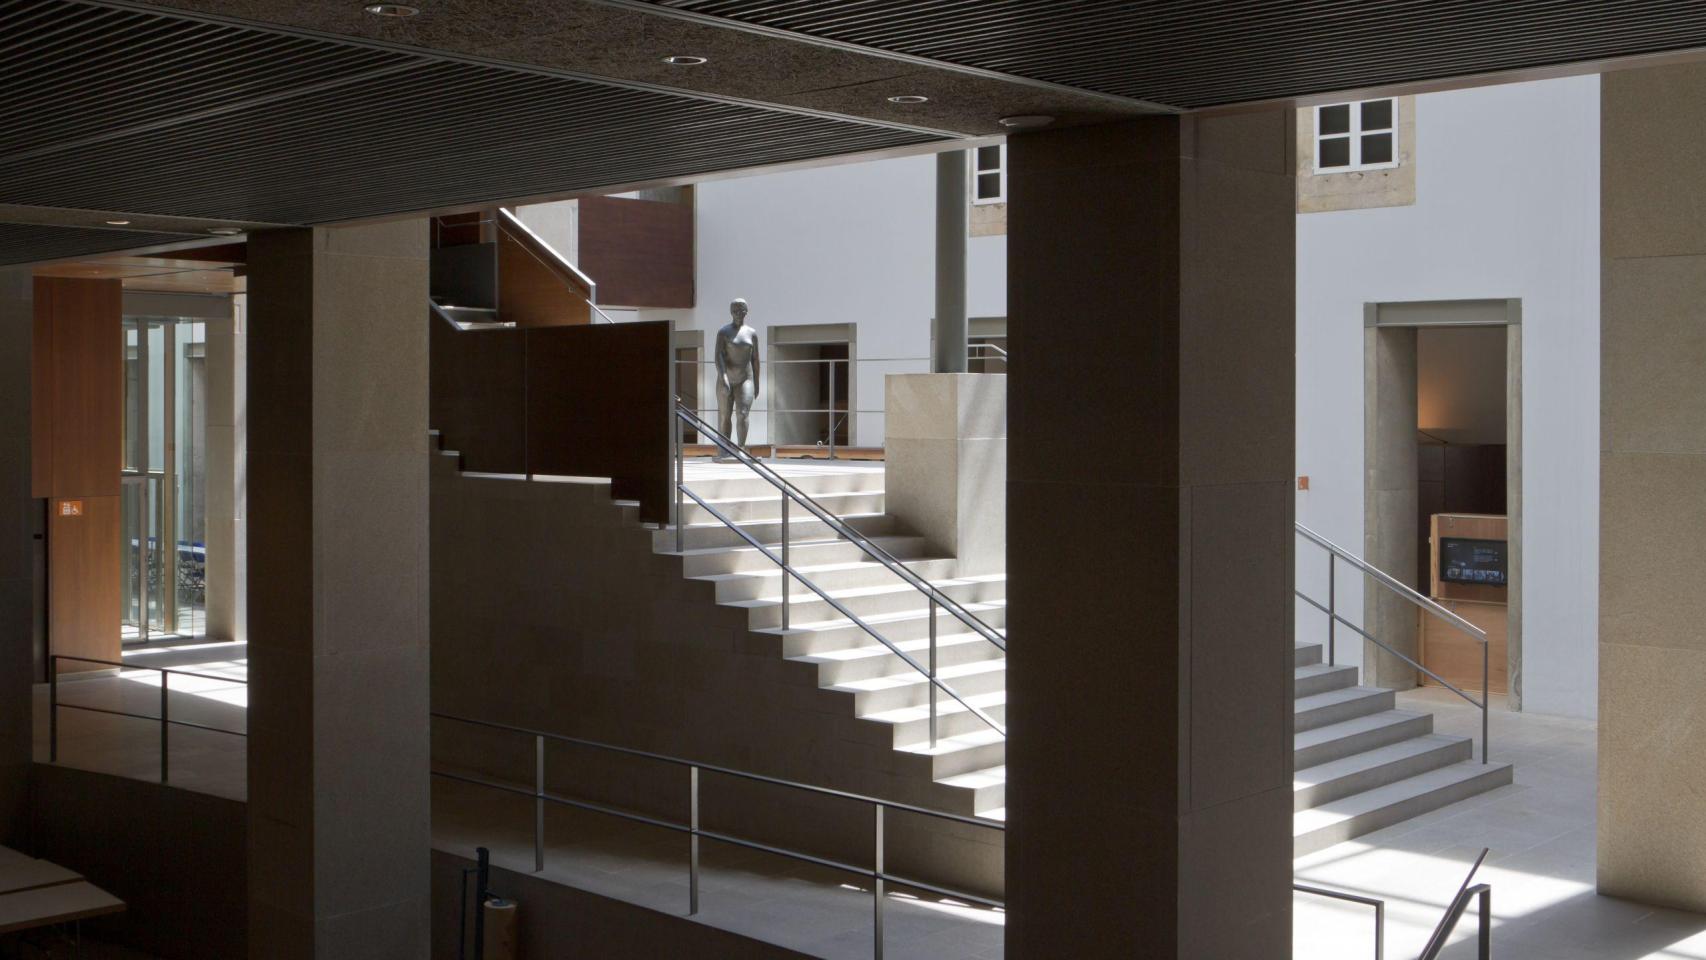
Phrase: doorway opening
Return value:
(1442, 504)
(811, 383)
(163, 501)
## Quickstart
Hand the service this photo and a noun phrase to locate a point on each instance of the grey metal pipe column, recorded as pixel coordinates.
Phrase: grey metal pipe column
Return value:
(953, 211)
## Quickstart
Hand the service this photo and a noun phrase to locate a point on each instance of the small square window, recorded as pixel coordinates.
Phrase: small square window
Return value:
(1334, 119)
(989, 186)
(989, 174)
(989, 158)
(1377, 148)
(1335, 152)
(1377, 115)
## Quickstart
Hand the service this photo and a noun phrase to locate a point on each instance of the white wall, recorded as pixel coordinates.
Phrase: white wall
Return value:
(849, 244)
(1507, 206)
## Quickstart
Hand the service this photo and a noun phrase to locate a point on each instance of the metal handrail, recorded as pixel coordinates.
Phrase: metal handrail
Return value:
(165, 718)
(987, 346)
(877, 872)
(1375, 902)
(870, 548)
(1334, 618)
(1454, 912)
(789, 570)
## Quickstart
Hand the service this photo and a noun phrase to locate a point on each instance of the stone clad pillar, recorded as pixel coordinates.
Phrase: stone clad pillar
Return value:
(226, 554)
(1150, 434)
(339, 797)
(1652, 523)
(946, 452)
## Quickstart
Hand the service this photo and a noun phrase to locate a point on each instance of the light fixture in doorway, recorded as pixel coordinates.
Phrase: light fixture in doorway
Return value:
(685, 61)
(391, 9)
(909, 98)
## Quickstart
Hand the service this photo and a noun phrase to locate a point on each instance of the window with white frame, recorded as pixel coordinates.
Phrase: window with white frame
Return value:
(989, 174)
(1356, 136)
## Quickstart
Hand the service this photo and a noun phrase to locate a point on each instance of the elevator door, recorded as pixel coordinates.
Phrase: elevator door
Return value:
(163, 513)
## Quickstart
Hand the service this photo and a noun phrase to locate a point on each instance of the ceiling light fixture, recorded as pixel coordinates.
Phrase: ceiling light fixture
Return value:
(683, 61)
(118, 223)
(391, 9)
(1030, 122)
(909, 98)
(224, 231)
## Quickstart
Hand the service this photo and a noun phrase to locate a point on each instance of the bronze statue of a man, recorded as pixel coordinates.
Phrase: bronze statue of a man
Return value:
(737, 374)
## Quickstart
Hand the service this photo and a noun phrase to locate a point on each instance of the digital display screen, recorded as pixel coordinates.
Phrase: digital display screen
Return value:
(1472, 561)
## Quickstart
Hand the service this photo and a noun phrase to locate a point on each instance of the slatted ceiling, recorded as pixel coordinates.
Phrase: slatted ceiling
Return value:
(26, 243)
(123, 109)
(1198, 53)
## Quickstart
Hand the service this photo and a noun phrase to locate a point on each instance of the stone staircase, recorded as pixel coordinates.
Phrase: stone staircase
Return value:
(1361, 764)
(967, 763)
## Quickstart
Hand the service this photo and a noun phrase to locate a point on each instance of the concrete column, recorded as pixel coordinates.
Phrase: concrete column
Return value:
(946, 448)
(20, 519)
(953, 212)
(1150, 434)
(227, 557)
(339, 797)
(1652, 646)
(1391, 489)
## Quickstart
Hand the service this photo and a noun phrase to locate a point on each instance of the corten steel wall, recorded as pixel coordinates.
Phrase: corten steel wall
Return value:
(583, 401)
(639, 251)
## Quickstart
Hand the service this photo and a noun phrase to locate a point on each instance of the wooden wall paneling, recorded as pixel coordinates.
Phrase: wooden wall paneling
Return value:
(1456, 656)
(83, 580)
(532, 291)
(639, 251)
(88, 351)
(599, 405)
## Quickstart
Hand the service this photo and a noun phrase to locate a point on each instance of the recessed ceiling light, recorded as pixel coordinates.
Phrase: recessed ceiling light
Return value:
(118, 223)
(1032, 122)
(909, 98)
(391, 9)
(224, 231)
(681, 61)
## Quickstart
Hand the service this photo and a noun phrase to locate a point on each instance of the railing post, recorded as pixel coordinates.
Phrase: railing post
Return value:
(1484, 949)
(165, 724)
(1380, 930)
(877, 888)
(831, 409)
(787, 582)
(53, 709)
(932, 673)
(538, 804)
(693, 841)
(1486, 700)
(680, 481)
(1332, 609)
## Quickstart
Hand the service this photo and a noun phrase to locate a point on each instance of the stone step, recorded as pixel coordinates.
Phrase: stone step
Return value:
(1334, 780)
(1314, 678)
(875, 660)
(733, 481)
(1323, 709)
(912, 724)
(769, 532)
(912, 688)
(865, 602)
(1305, 654)
(1362, 813)
(960, 753)
(1346, 738)
(752, 584)
(720, 560)
(769, 507)
(808, 637)
(984, 789)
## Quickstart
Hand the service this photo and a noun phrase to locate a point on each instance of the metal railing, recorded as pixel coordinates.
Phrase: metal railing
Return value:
(1454, 913)
(695, 831)
(935, 598)
(1335, 554)
(1375, 902)
(164, 718)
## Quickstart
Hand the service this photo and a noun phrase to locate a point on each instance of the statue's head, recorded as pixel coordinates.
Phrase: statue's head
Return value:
(737, 309)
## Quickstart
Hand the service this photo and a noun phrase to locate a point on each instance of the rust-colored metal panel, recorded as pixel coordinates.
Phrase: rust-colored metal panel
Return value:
(79, 363)
(41, 390)
(639, 251)
(599, 405)
(534, 288)
(83, 578)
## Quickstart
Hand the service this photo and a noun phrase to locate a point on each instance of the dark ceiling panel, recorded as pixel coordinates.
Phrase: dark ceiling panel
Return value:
(150, 113)
(1200, 53)
(28, 243)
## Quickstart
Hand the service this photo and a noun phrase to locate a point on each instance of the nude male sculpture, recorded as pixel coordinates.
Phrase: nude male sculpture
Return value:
(737, 374)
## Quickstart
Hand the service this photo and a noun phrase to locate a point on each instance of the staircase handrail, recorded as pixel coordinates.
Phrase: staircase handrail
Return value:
(1336, 553)
(547, 255)
(842, 529)
(1454, 912)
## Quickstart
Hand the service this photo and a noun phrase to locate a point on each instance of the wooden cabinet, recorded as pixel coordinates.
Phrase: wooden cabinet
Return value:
(1446, 650)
